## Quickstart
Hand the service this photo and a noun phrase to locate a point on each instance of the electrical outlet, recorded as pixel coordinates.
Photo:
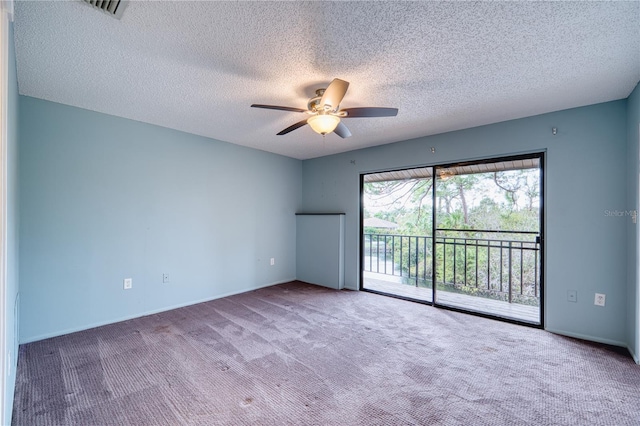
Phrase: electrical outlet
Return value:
(165, 278)
(128, 283)
(273, 261)
(572, 296)
(600, 299)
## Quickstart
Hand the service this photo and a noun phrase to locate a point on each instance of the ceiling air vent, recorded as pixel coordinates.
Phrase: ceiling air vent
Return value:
(111, 7)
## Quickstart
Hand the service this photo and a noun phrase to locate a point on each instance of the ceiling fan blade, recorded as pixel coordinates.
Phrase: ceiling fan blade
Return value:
(342, 131)
(370, 112)
(281, 108)
(334, 93)
(293, 127)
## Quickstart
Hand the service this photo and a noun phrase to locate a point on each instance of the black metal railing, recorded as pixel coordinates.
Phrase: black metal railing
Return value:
(404, 256)
(505, 268)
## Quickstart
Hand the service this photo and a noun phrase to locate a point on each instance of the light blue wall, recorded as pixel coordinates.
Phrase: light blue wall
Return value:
(9, 310)
(633, 176)
(104, 198)
(320, 249)
(585, 175)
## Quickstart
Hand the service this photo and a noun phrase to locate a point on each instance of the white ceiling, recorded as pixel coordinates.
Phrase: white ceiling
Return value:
(197, 66)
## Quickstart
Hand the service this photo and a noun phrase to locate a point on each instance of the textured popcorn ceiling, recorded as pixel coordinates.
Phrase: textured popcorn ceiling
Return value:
(198, 66)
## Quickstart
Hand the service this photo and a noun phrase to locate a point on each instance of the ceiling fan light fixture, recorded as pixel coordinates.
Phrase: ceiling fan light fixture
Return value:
(325, 113)
(323, 123)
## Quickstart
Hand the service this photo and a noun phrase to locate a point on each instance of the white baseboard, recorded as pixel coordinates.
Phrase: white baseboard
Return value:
(151, 312)
(587, 337)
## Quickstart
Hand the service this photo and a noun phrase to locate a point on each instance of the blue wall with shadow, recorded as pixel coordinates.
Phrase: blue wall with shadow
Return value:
(11, 308)
(633, 235)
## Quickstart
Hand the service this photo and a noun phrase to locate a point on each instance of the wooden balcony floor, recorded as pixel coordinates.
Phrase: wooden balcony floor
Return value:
(385, 284)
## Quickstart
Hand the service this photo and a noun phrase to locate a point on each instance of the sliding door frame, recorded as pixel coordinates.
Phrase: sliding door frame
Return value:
(541, 217)
(541, 155)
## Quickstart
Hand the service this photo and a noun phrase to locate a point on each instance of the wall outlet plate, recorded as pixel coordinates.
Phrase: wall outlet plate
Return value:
(272, 261)
(127, 283)
(165, 278)
(572, 296)
(600, 299)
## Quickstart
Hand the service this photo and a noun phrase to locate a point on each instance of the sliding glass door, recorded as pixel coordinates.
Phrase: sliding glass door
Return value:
(488, 237)
(397, 233)
(465, 236)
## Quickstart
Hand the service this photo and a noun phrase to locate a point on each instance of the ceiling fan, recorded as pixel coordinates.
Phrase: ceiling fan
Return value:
(325, 111)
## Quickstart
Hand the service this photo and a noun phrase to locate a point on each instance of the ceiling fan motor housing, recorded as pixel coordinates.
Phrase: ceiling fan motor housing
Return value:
(314, 103)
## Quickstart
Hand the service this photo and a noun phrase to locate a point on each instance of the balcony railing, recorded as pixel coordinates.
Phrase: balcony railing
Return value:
(467, 261)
